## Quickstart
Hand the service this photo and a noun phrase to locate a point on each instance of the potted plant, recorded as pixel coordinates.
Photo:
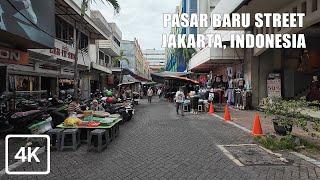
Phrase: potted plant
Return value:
(288, 113)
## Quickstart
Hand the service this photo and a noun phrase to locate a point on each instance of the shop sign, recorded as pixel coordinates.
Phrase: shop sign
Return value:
(61, 51)
(274, 86)
(13, 56)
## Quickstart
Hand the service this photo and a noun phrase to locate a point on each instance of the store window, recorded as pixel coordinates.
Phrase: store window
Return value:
(23, 83)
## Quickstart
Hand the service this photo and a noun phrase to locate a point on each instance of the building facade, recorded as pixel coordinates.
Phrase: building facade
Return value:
(136, 61)
(267, 73)
(156, 59)
(45, 64)
(175, 61)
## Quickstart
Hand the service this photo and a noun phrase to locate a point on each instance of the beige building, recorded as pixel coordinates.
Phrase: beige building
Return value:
(136, 61)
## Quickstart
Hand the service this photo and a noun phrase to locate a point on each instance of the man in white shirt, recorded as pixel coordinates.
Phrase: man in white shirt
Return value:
(150, 94)
(179, 97)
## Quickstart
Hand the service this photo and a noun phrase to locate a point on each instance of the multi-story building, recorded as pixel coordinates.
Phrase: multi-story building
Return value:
(280, 73)
(176, 61)
(136, 61)
(102, 53)
(45, 64)
(156, 59)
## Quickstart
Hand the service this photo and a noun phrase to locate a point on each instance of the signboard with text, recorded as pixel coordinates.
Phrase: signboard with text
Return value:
(274, 86)
(61, 51)
(12, 56)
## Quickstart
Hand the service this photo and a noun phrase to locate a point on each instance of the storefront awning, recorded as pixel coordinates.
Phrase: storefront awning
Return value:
(126, 71)
(182, 79)
(100, 68)
(169, 73)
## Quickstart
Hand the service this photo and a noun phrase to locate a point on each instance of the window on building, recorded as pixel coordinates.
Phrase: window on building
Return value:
(116, 40)
(106, 59)
(304, 7)
(101, 57)
(64, 30)
(314, 5)
(84, 41)
(58, 28)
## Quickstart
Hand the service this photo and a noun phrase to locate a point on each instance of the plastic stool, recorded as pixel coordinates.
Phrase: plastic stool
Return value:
(75, 139)
(55, 138)
(102, 139)
(200, 108)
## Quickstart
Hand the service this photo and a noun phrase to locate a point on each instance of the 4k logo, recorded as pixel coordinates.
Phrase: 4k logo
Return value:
(21, 154)
(27, 155)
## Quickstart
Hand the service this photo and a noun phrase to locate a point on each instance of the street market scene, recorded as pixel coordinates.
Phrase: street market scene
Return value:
(88, 91)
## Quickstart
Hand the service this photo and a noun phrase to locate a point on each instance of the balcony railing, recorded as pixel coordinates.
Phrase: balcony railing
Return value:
(110, 47)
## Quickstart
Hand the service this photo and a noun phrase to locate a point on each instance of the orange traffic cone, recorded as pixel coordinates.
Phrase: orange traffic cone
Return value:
(257, 130)
(211, 108)
(227, 116)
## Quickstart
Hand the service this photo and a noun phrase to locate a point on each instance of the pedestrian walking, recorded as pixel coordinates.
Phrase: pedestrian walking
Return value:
(159, 93)
(150, 94)
(179, 97)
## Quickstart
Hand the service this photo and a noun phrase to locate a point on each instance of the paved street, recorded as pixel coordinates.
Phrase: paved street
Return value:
(158, 144)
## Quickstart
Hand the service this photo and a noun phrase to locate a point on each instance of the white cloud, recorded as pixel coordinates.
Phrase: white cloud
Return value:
(140, 18)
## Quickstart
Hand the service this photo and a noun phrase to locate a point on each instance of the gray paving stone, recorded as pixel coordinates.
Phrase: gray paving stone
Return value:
(158, 144)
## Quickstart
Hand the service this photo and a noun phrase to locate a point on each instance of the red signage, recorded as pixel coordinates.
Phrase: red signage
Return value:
(64, 52)
(13, 56)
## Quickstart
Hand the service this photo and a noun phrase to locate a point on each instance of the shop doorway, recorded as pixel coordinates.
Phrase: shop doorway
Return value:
(50, 85)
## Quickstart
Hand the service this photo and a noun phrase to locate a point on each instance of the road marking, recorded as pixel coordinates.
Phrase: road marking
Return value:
(232, 123)
(306, 158)
(229, 155)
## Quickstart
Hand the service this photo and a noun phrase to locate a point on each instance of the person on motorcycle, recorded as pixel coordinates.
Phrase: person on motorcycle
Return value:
(95, 106)
(74, 107)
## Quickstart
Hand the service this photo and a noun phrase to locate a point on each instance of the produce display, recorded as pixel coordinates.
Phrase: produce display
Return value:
(72, 121)
(93, 124)
(100, 114)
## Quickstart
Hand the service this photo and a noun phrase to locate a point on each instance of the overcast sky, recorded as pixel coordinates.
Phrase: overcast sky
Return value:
(140, 18)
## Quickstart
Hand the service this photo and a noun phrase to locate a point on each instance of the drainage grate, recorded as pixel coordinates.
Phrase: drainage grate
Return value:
(252, 155)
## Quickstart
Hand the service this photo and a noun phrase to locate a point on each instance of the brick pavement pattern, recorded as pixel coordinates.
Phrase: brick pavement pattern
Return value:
(158, 144)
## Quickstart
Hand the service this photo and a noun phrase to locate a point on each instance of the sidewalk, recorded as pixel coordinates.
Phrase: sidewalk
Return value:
(245, 119)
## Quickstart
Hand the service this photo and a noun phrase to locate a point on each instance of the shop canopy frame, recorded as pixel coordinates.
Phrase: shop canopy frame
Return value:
(125, 71)
(160, 77)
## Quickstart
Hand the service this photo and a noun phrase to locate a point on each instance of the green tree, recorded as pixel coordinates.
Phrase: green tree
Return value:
(122, 57)
(84, 8)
